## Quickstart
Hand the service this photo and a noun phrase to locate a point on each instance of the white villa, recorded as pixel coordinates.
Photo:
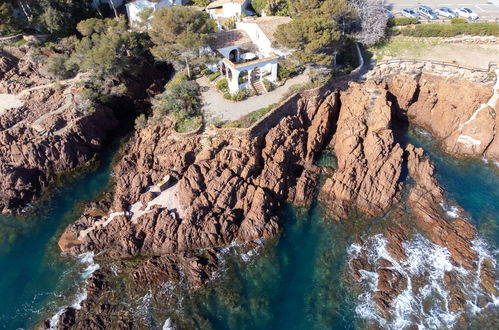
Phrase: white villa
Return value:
(134, 8)
(249, 53)
(224, 9)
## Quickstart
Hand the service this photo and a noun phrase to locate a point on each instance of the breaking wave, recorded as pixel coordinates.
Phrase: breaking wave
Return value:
(86, 259)
(424, 299)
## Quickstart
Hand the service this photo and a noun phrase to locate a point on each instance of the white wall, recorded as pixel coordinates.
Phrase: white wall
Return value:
(226, 51)
(134, 8)
(256, 35)
(231, 9)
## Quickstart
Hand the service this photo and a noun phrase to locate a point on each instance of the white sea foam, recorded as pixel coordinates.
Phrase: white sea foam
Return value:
(425, 305)
(85, 259)
(168, 324)
(451, 210)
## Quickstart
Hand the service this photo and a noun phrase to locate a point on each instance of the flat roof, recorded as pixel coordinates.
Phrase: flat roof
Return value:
(225, 39)
(220, 3)
(268, 24)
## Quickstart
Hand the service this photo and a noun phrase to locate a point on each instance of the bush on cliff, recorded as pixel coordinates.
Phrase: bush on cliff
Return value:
(180, 101)
(452, 30)
(401, 21)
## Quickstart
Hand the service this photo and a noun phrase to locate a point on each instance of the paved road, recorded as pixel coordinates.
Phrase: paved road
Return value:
(486, 9)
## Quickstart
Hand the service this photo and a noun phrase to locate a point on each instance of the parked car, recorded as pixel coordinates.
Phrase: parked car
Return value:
(427, 12)
(406, 12)
(446, 12)
(466, 13)
(388, 14)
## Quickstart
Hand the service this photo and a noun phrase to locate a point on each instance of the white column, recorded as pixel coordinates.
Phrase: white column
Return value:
(274, 71)
(249, 77)
(234, 82)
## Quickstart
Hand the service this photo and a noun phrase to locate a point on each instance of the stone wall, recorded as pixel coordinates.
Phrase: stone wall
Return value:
(450, 70)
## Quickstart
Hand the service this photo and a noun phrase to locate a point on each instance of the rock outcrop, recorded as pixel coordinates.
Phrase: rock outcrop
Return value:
(179, 194)
(460, 114)
(46, 128)
(369, 159)
(179, 199)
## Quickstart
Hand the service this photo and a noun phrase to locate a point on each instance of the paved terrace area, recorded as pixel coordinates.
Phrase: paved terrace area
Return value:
(215, 106)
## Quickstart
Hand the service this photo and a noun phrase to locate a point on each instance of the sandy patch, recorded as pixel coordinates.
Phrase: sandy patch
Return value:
(9, 101)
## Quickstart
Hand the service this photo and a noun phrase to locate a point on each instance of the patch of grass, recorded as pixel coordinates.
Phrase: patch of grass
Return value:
(188, 124)
(250, 118)
(17, 43)
(399, 48)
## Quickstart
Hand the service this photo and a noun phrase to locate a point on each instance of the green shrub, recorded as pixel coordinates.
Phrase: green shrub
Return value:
(188, 124)
(206, 71)
(452, 30)
(287, 69)
(268, 85)
(57, 67)
(140, 122)
(239, 96)
(214, 76)
(222, 85)
(401, 21)
(458, 20)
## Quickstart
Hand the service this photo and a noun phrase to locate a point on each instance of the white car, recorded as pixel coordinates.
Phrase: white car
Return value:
(406, 12)
(446, 12)
(466, 13)
(427, 12)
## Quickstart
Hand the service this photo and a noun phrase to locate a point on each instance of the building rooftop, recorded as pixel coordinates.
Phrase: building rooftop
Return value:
(220, 3)
(229, 38)
(268, 24)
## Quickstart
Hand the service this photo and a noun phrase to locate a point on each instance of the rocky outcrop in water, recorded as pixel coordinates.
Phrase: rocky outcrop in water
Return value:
(369, 159)
(179, 199)
(178, 194)
(460, 114)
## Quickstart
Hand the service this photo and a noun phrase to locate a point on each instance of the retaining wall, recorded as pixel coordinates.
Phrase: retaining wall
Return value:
(451, 70)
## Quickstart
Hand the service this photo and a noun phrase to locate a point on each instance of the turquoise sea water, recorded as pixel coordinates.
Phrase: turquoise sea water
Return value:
(34, 276)
(300, 281)
(295, 282)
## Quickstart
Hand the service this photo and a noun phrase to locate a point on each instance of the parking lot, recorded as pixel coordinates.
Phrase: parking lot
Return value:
(488, 10)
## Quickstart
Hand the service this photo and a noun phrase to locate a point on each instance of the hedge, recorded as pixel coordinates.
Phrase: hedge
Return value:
(400, 21)
(222, 85)
(452, 30)
(458, 20)
(214, 76)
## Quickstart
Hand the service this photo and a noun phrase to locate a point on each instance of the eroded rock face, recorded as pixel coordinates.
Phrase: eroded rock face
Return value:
(369, 160)
(178, 198)
(47, 128)
(48, 134)
(225, 187)
(459, 113)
